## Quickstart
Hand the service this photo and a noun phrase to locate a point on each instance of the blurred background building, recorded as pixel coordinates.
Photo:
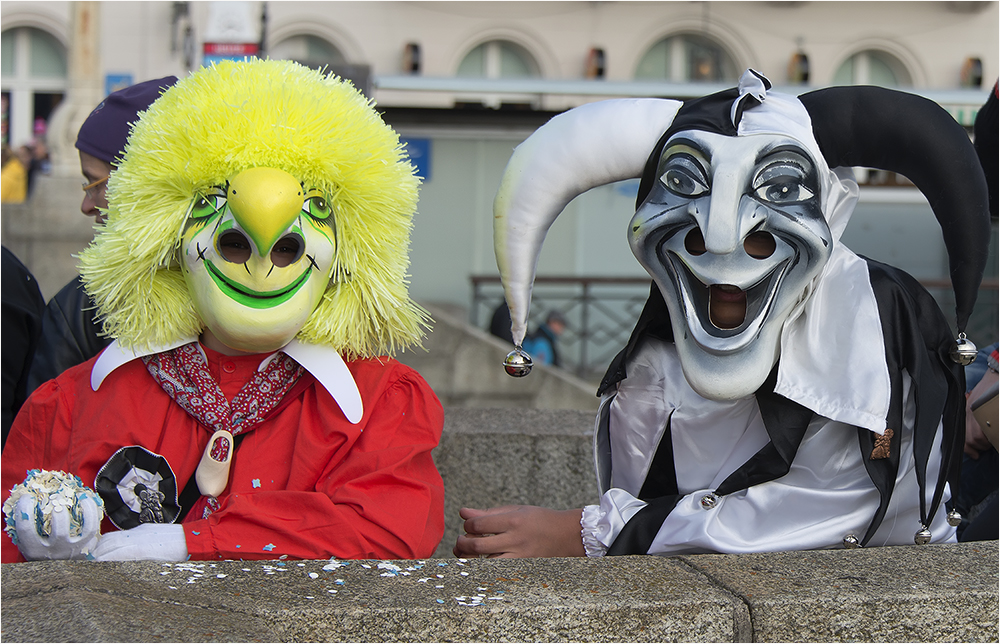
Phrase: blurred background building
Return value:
(465, 82)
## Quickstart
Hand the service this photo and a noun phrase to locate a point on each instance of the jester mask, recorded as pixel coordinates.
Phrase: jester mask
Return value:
(743, 197)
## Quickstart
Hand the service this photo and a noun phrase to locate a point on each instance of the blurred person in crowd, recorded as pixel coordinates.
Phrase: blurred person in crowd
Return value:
(21, 304)
(542, 345)
(13, 177)
(70, 332)
(26, 153)
(500, 323)
(977, 497)
(37, 155)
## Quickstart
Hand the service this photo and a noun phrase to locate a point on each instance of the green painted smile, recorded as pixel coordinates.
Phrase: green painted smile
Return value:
(256, 299)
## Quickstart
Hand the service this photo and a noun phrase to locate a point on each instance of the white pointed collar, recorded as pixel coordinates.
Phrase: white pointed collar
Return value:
(324, 363)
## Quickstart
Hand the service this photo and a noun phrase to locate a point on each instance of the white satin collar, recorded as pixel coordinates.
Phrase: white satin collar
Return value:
(832, 357)
(324, 363)
(833, 354)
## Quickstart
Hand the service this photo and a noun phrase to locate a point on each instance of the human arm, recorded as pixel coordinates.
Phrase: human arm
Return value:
(149, 541)
(31, 447)
(982, 404)
(976, 441)
(520, 531)
(978, 406)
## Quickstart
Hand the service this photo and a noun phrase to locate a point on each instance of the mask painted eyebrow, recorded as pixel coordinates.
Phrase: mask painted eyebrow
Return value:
(683, 144)
(788, 151)
(786, 156)
(690, 149)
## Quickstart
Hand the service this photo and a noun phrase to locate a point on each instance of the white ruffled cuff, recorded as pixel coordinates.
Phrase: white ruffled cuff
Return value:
(590, 528)
(601, 524)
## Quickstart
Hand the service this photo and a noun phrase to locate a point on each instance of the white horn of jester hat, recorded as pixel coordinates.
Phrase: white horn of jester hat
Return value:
(588, 146)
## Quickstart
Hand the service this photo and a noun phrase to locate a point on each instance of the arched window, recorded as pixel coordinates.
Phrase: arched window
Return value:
(498, 59)
(33, 82)
(873, 67)
(687, 58)
(317, 53)
(311, 51)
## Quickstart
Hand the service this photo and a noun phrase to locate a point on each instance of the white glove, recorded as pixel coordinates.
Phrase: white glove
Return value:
(149, 541)
(59, 544)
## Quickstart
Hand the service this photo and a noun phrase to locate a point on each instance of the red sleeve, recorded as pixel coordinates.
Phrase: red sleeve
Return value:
(383, 499)
(39, 439)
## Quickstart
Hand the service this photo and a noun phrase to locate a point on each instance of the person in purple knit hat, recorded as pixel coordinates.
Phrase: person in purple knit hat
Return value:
(70, 334)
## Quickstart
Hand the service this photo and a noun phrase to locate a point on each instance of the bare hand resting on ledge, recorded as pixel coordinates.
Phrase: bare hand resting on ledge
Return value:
(520, 531)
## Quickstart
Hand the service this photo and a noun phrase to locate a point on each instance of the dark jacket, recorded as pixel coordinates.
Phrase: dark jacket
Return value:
(70, 334)
(22, 316)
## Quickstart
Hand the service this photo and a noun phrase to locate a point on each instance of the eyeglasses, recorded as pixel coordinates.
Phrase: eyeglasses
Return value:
(95, 188)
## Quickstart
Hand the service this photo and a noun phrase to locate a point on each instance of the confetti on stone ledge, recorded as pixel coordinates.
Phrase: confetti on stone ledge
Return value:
(334, 564)
(195, 573)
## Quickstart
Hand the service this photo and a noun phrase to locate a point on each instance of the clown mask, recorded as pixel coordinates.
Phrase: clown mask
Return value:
(257, 256)
(732, 232)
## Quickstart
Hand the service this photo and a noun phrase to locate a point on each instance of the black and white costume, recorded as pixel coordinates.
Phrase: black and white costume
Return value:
(722, 475)
(830, 412)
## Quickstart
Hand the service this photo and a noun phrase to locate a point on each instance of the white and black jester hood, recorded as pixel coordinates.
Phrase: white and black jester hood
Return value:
(743, 197)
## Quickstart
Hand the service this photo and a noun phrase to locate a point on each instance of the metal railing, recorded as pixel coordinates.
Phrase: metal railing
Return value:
(600, 313)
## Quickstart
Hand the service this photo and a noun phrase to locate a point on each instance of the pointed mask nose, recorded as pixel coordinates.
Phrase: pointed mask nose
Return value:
(265, 201)
(722, 230)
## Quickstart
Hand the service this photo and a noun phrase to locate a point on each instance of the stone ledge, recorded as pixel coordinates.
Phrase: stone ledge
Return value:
(946, 592)
(491, 457)
(906, 593)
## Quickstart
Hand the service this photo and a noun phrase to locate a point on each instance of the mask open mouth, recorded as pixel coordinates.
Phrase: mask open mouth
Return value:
(727, 306)
(723, 317)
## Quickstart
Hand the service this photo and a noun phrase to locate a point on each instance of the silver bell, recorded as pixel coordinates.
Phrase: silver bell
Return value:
(964, 352)
(954, 518)
(517, 363)
(922, 537)
(850, 541)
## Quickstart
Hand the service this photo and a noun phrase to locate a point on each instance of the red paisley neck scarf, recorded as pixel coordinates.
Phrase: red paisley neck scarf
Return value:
(183, 374)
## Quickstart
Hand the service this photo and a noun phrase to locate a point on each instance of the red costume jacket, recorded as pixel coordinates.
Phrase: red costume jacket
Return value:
(305, 483)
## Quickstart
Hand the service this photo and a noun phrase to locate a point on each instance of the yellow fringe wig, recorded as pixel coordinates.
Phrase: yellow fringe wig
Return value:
(239, 115)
